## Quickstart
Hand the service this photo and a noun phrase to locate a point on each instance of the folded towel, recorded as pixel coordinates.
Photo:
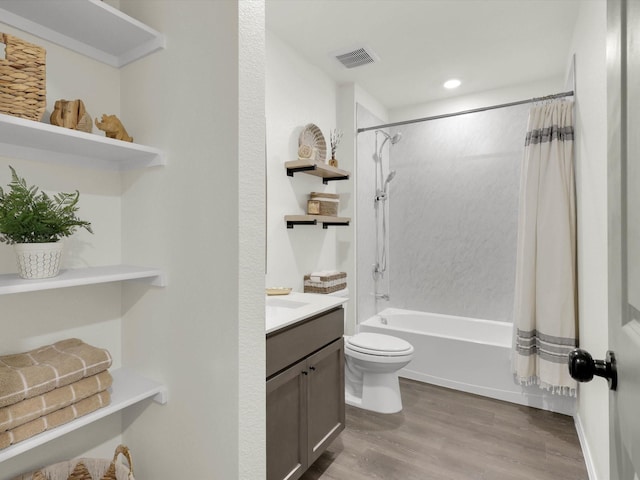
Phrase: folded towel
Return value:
(318, 276)
(26, 375)
(54, 419)
(22, 412)
(324, 273)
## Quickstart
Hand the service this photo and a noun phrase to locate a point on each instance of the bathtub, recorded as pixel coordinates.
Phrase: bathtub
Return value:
(467, 354)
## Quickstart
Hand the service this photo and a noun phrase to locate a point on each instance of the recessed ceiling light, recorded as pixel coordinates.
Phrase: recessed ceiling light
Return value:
(453, 83)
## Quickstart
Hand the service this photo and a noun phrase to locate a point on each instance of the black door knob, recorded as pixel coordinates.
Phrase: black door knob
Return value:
(582, 367)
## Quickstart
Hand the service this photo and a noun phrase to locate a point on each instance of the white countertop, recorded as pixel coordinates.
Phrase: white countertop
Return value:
(285, 310)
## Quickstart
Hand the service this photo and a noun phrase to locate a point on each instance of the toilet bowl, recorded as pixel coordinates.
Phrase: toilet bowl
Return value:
(372, 361)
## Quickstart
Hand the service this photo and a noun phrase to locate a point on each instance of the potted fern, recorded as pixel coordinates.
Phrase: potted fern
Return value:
(35, 224)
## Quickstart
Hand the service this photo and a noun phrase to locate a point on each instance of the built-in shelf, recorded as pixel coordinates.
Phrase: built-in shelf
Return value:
(127, 389)
(74, 277)
(29, 140)
(325, 220)
(89, 27)
(326, 172)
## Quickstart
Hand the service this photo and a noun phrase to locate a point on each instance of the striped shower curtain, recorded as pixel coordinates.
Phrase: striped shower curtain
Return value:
(545, 293)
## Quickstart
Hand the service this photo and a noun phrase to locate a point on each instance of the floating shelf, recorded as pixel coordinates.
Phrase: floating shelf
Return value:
(327, 172)
(128, 388)
(22, 138)
(315, 219)
(88, 27)
(74, 277)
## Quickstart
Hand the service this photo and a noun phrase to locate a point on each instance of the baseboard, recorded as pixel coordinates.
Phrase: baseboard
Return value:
(586, 452)
(552, 403)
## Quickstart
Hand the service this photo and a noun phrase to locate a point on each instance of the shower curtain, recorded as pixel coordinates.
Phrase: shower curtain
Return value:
(545, 291)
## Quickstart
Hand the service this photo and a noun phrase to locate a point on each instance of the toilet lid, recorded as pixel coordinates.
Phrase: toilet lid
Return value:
(376, 343)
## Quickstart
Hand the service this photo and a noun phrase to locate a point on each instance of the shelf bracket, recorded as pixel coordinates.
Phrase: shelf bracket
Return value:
(326, 180)
(162, 397)
(159, 280)
(334, 224)
(291, 223)
(291, 171)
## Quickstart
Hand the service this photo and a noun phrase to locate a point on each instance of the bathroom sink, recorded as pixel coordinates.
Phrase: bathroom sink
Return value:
(282, 311)
(285, 303)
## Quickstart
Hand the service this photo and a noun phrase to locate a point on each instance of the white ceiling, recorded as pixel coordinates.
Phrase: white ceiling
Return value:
(487, 44)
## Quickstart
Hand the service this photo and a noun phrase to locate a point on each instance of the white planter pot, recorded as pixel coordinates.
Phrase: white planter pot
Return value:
(38, 260)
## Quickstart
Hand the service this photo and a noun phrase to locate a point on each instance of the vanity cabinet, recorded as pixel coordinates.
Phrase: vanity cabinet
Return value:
(305, 393)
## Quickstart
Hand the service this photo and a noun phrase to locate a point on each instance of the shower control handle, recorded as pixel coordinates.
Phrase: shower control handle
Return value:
(582, 367)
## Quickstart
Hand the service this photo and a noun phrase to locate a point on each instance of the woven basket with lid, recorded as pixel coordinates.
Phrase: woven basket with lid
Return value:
(23, 86)
(327, 203)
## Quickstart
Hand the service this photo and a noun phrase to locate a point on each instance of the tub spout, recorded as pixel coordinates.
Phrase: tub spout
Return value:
(383, 296)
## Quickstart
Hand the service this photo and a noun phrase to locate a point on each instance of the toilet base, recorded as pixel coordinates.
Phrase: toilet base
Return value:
(380, 393)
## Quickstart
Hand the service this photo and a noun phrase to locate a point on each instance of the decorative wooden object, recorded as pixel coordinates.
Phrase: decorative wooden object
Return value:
(23, 87)
(113, 128)
(305, 152)
(311, 136)
(71, 114)
(313, 207)
(327, 203)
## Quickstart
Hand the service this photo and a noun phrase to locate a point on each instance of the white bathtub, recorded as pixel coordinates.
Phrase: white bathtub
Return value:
(467, 354)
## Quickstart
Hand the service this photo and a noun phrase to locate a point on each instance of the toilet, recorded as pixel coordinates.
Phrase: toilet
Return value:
(372, 361)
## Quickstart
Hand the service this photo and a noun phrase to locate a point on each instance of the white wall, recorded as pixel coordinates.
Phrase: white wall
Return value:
(202, 218)
(297, 94)
(589, 44)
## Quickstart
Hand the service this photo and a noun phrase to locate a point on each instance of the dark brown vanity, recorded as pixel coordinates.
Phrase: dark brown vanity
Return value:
(305, 392)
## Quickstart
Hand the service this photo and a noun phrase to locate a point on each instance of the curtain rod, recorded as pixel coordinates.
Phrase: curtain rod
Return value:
(475, 110)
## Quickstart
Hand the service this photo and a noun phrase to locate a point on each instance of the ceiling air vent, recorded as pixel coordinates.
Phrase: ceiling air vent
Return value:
(355, 57)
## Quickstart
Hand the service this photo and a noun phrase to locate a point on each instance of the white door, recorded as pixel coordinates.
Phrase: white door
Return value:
(623, 59)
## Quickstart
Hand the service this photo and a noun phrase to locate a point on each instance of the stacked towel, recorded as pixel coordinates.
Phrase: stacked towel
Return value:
(50, 386)
(22, 412)
(55, 419)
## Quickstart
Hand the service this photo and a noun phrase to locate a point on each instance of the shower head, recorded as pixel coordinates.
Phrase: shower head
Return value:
(392, 174)
(394, 139)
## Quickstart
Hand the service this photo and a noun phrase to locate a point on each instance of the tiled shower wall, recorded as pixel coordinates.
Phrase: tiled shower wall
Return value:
(453, 215)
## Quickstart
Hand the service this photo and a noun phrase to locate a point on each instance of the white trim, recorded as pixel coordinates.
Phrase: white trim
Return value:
(586, 452)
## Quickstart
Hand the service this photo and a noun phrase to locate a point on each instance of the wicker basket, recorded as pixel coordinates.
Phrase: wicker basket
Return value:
(23, 86)
(87, 469)
(325, 284)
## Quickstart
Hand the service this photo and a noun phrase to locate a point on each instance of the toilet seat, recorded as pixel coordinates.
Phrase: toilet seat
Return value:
(378, 344)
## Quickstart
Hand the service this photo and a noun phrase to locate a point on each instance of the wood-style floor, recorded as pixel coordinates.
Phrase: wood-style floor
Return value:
(443, 434)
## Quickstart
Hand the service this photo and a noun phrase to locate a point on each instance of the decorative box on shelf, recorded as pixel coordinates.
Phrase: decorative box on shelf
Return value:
(323, 204)
(325, 282)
